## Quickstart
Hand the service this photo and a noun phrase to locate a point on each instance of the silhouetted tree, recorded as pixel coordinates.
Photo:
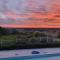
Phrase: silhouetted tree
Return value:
(3, 31)
(14, 31)
(58, 35)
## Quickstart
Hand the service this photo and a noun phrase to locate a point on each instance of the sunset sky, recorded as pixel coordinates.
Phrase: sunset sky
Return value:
(30, 13)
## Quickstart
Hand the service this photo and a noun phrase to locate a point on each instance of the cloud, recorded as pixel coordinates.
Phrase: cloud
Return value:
(2, 16)
(19, 12)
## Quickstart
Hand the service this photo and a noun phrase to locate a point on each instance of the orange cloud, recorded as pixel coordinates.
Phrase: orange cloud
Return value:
(38, 19)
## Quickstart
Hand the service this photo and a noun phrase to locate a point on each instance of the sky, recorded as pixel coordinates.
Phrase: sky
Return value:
(30, 13)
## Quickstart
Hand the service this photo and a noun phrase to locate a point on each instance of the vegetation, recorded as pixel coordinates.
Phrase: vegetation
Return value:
(58, 35)
(33, 39)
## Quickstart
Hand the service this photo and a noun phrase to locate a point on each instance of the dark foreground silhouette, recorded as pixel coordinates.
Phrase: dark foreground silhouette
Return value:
(29, 38)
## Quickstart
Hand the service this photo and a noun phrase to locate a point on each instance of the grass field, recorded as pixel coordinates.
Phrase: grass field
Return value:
(8, 37)
(7, 41)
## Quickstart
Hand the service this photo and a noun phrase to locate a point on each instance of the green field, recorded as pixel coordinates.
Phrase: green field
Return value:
(8, 37)
(7, 41)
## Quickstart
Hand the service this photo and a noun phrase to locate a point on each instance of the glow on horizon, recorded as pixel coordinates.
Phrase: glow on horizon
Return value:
(31, 17)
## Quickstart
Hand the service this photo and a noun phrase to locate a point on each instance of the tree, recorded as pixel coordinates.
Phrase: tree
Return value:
(14, 31)
(39, 34)
(3, 31)
(58, 35)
